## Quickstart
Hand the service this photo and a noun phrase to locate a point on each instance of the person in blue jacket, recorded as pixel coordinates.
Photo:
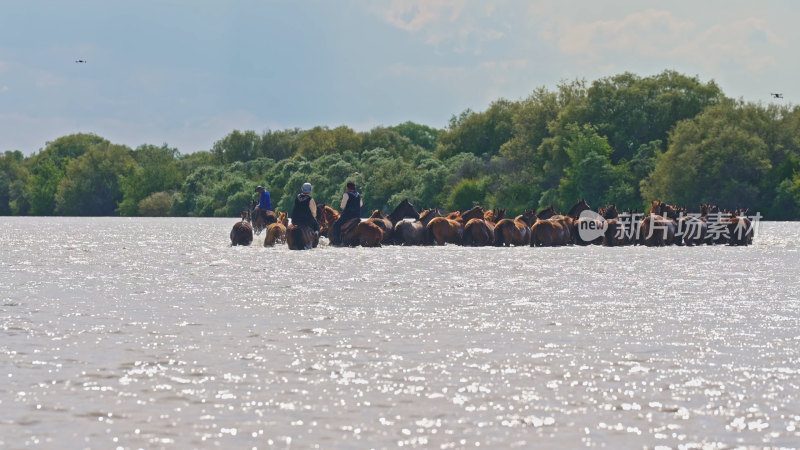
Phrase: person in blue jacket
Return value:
(264, 200)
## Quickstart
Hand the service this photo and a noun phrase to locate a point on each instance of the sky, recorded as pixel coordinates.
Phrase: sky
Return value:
(187, 73)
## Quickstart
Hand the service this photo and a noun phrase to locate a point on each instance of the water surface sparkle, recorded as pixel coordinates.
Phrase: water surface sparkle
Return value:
(157, 333)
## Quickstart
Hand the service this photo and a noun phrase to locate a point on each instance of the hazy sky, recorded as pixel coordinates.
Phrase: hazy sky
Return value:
(187, 73)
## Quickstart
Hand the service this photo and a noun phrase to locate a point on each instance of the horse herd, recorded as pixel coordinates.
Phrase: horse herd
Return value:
(665, 225)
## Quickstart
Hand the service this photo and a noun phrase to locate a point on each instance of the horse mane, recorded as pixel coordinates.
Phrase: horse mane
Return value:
(609, 212)
(578, 208)
(476, 212)
(376, 214)
(425, 213)
(547, 213)
(454, 215)
(403, 210)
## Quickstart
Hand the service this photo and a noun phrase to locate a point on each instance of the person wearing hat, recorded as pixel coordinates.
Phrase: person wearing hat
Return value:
(264, 200)
(305, 209)
(351, 209)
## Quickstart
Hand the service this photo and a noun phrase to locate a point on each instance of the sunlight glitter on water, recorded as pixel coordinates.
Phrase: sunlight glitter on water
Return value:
(156, 333)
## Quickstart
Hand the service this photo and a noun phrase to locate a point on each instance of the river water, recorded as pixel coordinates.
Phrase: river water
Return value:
(156, 333)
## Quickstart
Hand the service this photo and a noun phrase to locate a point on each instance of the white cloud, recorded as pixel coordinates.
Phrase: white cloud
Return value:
(459, 25)
(749, 43)
(643, 33)
(413, 15)
(663, 36)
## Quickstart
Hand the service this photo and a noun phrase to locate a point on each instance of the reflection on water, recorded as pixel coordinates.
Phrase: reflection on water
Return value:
(156, 333)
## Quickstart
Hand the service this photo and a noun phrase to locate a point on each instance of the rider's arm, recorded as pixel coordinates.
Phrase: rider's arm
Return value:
(344, 201)
(313, 206)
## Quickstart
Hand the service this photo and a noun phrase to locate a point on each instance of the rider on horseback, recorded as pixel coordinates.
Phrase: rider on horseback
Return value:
(264, 202)
(305, 209)
(351, 209)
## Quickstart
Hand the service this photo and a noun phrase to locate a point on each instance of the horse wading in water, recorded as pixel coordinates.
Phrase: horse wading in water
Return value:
(388, 223)
(516, 231)
(354, 231)
(276, 232)
(449, 230)
(480, 232)
(413, 233)
(242, 232)
(552, 229)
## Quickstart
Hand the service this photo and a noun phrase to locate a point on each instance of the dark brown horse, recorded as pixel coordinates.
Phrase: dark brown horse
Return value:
(242, 232)
(276, 232)
(515, 231)
(480, 232)
(354, 231)
(740, 228)
(620, 231)
(261, 218)
(301, 237)
(403, 210)
(443, 230)
(552, 229)
(588, 223)
(693, 228)
(413, 233)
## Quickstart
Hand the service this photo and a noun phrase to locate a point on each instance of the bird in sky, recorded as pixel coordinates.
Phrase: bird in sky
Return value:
(777, 95)
(80, 60)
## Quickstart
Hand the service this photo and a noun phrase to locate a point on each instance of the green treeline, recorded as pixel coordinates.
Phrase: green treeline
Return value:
(624, 140)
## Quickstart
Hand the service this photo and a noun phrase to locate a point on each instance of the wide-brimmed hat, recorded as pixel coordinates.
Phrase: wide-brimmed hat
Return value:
(306, 188)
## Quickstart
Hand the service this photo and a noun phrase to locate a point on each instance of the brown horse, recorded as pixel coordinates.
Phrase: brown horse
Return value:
(552, 229)
(480, 232)
(354, 231)
(413, 233)
(657, 229)
(384, 223)
(242, 232)
(276, 232)
(443, 230)
(515, 231)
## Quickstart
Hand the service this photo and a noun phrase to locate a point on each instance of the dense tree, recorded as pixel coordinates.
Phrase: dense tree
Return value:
(91, 184)
(157, 170)
(630, 110)
(718, 157)
(623, 139)
(49, 166)
(478, 133)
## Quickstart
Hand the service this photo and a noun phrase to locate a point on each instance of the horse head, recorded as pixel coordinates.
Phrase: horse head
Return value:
(578, 208)
(529, 217)
(403, 210)
(428, 215)
(610, 212)
(476, 212)
(547, 213)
